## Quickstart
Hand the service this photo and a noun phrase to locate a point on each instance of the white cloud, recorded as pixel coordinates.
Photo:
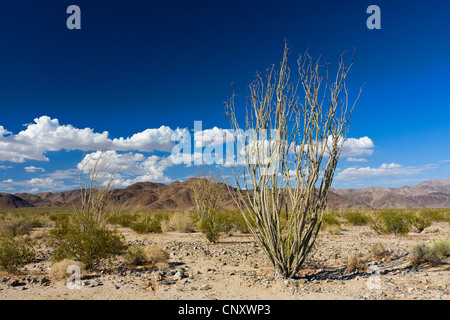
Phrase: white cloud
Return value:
(47, 134)
(361, 147)
(128, 167)
(33, 169)
(5, 167)
(8, 181)
(352, 159)
(391, 169)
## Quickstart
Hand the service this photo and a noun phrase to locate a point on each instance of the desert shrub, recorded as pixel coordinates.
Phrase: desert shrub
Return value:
(15, 253)
(147, 225)
(442, 247)
(135, 256)
(178, 221)
(330, 219)
(419, 222)
(378, 250)
(434, 215)
(215, 224)
(422, 253)
(390, 221)
(58, 270)
(122, 219)
(238, 222)
(14, 226)
(331, 223)
(355, 262)
(86, 241)
(156, 256)
(357, 218)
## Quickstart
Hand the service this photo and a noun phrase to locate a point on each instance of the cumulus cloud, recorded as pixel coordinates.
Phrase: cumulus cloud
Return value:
(127, 168)
(33, 169)
(352, 159)
(47, 134)
(385, 169)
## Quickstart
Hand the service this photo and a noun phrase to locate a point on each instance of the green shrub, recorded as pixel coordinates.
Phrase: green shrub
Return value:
(422, 253)
(357, 218)
(215, 224)
(395, 222)
(122, 219)
(178, 221)
(15, 253)
(378, 250)
(86, 241)
(434, 215)
(135, 256)
(330, 219)
(442, 247)
(420, 223)
(14, 226)
(147, 226)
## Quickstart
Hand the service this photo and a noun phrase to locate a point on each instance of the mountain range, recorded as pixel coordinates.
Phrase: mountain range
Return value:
(179, 196)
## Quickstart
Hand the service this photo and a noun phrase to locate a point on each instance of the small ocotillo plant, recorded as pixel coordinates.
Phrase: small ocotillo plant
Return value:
(294, 134)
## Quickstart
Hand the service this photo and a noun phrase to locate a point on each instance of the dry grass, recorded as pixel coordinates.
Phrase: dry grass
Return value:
(156, 256)
(355, 262)
(180, 222)
(59, 269)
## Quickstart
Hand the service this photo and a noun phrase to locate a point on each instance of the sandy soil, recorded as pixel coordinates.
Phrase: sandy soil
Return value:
(237, 269)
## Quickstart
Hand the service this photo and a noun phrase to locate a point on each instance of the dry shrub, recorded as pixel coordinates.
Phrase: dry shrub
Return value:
(135, 256)
(332, 228)
(442, 247)
(421, 254)
(181, 222)
(14, 226)
(378, 250)
(355, 262)
(156, 256)
(59, 269)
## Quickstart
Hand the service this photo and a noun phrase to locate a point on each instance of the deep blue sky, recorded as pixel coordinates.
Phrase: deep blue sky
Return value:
(143, 64)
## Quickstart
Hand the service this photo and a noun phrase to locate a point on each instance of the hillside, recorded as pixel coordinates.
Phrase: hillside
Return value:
(179, 196)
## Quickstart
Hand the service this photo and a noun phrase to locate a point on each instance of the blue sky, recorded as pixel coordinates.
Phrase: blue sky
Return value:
(144, 70)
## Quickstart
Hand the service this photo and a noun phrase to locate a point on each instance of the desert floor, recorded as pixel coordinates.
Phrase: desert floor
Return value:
(237, 269)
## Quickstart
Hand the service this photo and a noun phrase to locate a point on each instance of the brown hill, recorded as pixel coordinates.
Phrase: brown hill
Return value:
(428, 194)
(179, 196)
(157, 196)
(8, 201)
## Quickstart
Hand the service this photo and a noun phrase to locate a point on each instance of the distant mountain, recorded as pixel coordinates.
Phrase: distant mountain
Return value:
(428, 194)
(8, 201)
(179, 196)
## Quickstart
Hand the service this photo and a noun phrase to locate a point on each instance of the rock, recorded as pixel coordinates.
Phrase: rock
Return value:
(179, 274)
(44, 282)
(205, 287)
(431, 229)
(17, 283)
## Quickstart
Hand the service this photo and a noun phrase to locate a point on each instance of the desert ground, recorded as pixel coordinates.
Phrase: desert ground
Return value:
(237, 269)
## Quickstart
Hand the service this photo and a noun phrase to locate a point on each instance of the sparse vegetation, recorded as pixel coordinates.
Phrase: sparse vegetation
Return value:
(378, 250)
(13, 226)
(442, 247)
(148, 223)
(355, 262)
(92, 244)
(135, 256)
(178, 221)
(15, 253)
(422, 253)
(156, 256)
(58, 270)
(357, 218)
(392, 221)
(215, 224)
(207, 190)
